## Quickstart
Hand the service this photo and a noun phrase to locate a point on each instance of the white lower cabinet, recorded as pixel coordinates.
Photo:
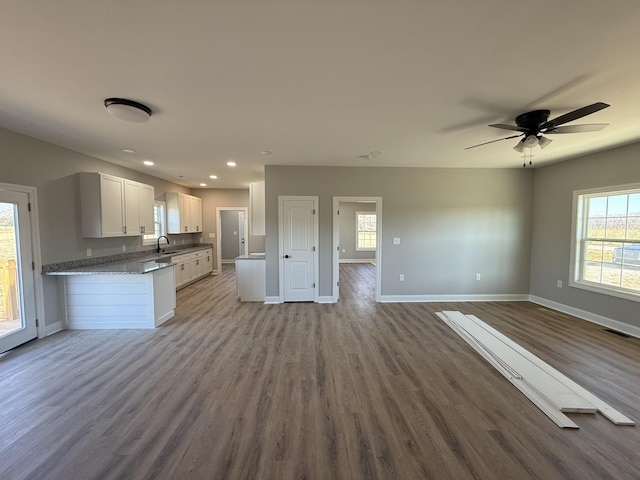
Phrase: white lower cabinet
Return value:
(192, 266)
(250, 278)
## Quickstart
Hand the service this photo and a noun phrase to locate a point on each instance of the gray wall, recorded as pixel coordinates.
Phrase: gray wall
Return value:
(453, 223)
(347, 230)
(551, 238)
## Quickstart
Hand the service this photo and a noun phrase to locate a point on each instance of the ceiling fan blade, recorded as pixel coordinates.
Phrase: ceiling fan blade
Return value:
(505, 126)
(492, 141)
(576, 114)
(583, 127)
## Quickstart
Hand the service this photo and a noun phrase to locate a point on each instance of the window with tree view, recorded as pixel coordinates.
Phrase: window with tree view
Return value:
(366, 231)
(607, 250)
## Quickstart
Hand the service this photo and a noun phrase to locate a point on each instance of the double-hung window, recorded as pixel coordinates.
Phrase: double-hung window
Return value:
(606, 250)
(159, 223)
(365, 231)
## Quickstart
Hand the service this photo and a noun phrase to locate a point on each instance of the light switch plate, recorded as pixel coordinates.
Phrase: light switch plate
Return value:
(396, 240)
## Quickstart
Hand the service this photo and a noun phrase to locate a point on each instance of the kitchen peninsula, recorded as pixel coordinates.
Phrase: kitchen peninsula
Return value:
(125, 291)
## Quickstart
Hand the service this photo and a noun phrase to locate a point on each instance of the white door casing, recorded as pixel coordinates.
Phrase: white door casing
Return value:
(26, 285)
(218, 268)
(336, 244)
(298, 219)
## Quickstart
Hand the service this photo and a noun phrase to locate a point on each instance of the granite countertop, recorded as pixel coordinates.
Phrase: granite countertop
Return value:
(251, 256)
(132, 264)
(131, 267)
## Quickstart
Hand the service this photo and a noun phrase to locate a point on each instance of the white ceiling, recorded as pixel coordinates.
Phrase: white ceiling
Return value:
(315, 82)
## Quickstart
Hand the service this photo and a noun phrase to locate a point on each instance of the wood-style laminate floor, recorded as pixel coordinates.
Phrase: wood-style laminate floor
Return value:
(230, 390)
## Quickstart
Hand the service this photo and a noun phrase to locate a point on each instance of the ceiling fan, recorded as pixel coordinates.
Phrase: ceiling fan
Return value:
(533, 125)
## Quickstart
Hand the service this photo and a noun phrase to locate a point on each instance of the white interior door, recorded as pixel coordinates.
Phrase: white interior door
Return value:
(298, 249)
(17, 294)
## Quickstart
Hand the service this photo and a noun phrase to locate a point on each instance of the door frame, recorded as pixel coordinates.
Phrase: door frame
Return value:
(316, 242)
(336, 245)
(34, 223)
(219, 235)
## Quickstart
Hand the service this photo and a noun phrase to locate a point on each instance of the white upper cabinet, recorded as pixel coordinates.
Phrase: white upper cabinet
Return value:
(256, 208)
(138, 208)
(195, 214)
(114, 207)
(184, 213)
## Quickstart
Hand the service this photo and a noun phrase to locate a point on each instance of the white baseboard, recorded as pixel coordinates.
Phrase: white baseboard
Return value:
(53, 328)
(276, 300)
(516, 297)
(357, 260)
(588, 316)
(164, 318)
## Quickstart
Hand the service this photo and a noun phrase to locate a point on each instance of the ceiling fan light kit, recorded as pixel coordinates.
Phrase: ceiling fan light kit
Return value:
(535, 124)
(127, 110)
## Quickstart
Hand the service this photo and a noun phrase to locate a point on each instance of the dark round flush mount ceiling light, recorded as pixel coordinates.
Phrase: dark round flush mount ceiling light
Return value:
(128, 110)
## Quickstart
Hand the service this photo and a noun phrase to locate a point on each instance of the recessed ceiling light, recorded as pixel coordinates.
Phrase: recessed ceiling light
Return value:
(128, 150)
(231, 164)
(128, 110)
(148, 162)
(213, 177)
(265, 152)
(203, 184)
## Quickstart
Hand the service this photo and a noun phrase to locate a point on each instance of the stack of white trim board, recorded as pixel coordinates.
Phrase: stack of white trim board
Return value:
(551, 391)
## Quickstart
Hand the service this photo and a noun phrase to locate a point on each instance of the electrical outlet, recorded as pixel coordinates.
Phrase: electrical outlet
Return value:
(396, 240)
(477, 276)
(559, 283)
(88, 252)
(402, 277)
(212, 235)
(124, 248)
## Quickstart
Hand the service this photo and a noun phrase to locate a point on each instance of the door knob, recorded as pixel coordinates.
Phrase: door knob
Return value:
(287, 256)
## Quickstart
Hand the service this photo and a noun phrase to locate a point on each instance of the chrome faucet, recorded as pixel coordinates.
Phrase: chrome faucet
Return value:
(158, 244)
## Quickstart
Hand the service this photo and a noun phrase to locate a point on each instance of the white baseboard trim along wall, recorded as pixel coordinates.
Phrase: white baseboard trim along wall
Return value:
(588, 316)
(53, 328)
(357, 260)
(453, 298)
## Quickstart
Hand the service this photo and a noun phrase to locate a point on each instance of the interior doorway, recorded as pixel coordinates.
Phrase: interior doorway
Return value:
(357, 231)
(232, 227)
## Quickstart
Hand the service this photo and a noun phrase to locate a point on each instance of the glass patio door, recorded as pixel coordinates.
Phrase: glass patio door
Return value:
(17, 295)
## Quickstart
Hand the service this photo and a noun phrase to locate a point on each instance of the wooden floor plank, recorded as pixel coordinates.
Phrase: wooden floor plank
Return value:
(360, 390)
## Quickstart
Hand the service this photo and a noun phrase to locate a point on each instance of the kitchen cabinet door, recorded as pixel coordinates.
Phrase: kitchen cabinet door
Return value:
(183, 269)
(138, 208)
(102, 205)
(146, 199)
(256, 208)
(195, 214)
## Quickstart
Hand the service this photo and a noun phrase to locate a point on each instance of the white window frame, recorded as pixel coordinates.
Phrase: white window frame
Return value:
(578, 235)
(150, 239)
(366, 249)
